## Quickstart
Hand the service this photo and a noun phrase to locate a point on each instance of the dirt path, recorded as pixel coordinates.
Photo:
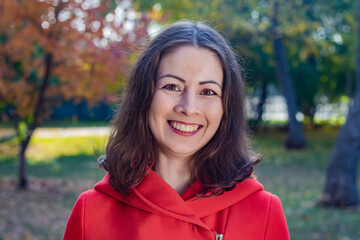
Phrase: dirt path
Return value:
(61, 132)
(41, 212)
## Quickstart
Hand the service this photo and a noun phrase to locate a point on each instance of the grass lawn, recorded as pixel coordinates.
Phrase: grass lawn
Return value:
(61, 168)
(298, 179)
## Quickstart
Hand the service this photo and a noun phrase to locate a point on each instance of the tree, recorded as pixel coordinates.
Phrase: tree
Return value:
(57, 50)
(340, 188)
(296, 136)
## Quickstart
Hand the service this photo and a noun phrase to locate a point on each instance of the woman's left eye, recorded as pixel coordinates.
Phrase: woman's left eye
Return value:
(208, 92)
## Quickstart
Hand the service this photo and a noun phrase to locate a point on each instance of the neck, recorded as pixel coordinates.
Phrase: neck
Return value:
(175, 171)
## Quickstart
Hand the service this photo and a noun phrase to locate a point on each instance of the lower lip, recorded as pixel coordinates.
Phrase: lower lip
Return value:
(185, 133)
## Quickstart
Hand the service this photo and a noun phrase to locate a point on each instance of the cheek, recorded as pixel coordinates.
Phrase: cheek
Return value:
(155, 105)
(153, 113)
(159, 107)
(214, 112)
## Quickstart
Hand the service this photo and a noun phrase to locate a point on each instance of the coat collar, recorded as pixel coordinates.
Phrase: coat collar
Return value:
(154, 195)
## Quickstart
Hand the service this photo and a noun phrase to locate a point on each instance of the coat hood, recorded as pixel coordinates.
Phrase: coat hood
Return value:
(156, 196)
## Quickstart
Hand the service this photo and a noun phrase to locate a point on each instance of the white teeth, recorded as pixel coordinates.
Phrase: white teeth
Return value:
(183, 127)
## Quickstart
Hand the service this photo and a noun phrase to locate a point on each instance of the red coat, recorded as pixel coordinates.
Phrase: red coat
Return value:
(156, 211)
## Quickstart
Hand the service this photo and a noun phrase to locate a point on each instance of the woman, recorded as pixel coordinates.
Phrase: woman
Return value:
(178, 161)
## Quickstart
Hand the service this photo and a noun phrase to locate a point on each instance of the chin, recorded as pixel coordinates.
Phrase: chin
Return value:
(184, 152)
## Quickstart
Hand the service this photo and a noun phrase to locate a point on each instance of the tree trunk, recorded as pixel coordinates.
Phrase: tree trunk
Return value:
(295, 138)
(340, 187)
(309, 113)
(260, 106)
(34, 124)
(22, 184)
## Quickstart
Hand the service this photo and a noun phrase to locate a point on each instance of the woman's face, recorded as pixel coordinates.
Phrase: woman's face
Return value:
(186, 108)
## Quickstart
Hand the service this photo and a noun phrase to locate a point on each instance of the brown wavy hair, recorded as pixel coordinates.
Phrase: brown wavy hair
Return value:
(224, 161)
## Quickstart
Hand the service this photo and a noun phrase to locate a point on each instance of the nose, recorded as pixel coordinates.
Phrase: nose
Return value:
(188, 104)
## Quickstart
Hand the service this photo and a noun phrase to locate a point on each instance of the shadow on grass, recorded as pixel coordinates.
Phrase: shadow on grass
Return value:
(69, 167)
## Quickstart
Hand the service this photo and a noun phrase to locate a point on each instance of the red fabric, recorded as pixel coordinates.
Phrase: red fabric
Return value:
(155, 211)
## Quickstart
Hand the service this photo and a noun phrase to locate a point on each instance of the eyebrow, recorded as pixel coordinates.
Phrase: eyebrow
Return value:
(210, 81)
(172, 76)
(182, 80)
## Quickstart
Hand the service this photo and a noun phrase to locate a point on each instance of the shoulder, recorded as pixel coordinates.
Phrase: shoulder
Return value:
(88, 201)
(259, 214)
(263, 198)
(251, 192)
(91, 206)
(92, 199)
(257, 204)
(91, 194)
(266, 205)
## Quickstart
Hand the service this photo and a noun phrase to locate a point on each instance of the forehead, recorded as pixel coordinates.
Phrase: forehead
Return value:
(191, 62)
(183, 49)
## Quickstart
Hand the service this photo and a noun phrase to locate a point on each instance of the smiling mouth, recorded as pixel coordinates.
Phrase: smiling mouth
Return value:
(188, 128)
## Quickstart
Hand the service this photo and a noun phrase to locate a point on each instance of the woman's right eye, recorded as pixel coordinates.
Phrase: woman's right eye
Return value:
(171, 87)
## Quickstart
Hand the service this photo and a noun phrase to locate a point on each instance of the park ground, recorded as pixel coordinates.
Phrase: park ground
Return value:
(61, 164)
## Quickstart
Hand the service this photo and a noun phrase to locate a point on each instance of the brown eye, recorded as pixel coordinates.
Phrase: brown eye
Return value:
(208, 92)
(171, 87)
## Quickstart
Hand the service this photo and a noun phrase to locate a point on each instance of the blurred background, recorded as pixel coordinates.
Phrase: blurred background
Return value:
(63, 67)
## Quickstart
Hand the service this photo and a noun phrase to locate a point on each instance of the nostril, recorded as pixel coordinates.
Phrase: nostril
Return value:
(187, 109)
(179, 108)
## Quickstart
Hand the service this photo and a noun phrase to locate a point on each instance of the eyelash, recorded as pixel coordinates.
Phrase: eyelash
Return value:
(174, 87)
(171, 87)
(209, 91)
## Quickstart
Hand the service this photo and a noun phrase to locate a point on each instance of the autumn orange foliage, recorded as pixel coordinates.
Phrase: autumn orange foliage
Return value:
(89, 45)
(55, 50)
